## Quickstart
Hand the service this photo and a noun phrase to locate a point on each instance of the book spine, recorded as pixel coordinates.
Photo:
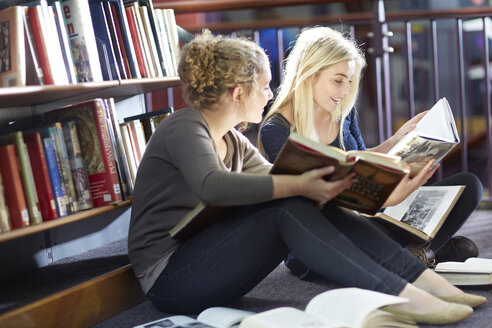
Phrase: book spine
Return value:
(55, 179)
(137, 44)
(39, 33)
(13, 71)
(144, 42)
(117, 46)
(77, 166)
(41, 176)
(65, 45)
(82, 40)
(127, 38)
(127, 62)
(15, 199)
(5, 223)
(154, 51)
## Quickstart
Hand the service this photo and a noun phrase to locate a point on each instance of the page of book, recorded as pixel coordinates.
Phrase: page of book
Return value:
(425, 207)
(222, 317)
(471, 265)
(439, 122)
(350, 305)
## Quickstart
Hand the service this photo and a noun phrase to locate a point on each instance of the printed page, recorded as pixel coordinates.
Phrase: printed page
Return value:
(437, 122)
(177, 321)
(350, 305)
(222, 317)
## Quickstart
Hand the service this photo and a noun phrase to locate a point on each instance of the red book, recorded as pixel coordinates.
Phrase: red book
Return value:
(41, 176)
(132, 23)
(95, 143)
(35, 19)
(14, 193)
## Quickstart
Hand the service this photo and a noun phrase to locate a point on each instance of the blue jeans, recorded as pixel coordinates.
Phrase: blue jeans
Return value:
(230, 257)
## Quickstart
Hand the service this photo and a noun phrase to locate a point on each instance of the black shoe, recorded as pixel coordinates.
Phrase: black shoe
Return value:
(423, 252)
(458, 249)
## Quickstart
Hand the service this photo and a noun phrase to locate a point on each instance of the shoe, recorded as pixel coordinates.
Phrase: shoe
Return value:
(423, 252)
(458, 249)
(452, 314)
(464, 298)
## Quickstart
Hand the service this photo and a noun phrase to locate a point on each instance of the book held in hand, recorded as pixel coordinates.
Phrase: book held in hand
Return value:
(434, 137)
(423, 212)
(377, 174)
(474, 271)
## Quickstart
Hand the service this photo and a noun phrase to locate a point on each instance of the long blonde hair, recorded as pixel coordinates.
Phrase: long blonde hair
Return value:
(315, 50)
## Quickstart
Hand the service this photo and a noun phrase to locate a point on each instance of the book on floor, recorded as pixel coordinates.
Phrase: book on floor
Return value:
(214, 317)
(474, 271)
(422, 213)
(377, 173)
(434, 137)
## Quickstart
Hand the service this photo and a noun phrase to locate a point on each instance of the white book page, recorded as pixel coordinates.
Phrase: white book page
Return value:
(438, 122)
(222, 317)
(350, 305)
(177, 321)
(471, 265)
(287, 317)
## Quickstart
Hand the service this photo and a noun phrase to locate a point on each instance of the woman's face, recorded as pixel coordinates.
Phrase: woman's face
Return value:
(258, 98)
(332, 84)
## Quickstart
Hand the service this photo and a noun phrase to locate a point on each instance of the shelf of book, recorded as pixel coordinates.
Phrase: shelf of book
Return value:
(82, 215)
(52, 94)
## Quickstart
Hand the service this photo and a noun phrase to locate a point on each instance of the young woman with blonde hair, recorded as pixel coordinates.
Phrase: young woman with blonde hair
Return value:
(316, 99)
(197, 155)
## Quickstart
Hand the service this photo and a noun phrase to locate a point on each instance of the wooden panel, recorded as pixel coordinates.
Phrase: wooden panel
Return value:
(17, 233)
(80, 306)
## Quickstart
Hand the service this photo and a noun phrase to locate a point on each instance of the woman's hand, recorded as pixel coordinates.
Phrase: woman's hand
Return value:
(311, 185)
(408, 185)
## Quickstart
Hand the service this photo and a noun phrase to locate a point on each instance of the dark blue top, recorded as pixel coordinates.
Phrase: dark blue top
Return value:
(273, 135)
(276, 130)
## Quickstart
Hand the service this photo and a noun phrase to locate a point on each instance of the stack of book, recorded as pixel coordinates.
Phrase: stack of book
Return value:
(93, 40)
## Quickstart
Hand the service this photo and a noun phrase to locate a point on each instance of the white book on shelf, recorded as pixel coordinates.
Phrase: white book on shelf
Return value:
(144, 42)
(152, 42)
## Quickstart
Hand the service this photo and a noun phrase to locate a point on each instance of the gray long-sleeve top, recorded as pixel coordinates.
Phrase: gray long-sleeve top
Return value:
(179, 168)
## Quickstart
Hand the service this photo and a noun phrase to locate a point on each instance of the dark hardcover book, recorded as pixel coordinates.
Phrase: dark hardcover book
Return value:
(101, 32)
(59, 190)
(121, 42)
(115, 40)
(41, 176)
(5, 222)
(96, 149)
(16, 201)
(77, 166)
(377, 174)
(27, 177)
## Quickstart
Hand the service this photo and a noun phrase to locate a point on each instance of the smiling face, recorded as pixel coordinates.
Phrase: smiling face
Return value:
(255, 102)
(332, 84)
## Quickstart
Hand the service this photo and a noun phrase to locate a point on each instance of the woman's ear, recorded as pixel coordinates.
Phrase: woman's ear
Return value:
(237, 94)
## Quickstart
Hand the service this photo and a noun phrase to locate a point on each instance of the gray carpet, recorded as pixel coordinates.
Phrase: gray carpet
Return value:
(280, 288)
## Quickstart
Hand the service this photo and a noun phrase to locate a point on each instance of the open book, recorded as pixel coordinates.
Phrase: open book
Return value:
(434, 137)
(214, 317)
(377, 174)
(423, 212)
(474, 271)
(343, 307)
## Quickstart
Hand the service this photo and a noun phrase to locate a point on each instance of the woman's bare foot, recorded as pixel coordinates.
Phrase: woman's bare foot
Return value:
(436, 285)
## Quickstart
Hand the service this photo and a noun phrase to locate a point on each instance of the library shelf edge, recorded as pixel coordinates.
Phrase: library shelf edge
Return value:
(82, 215)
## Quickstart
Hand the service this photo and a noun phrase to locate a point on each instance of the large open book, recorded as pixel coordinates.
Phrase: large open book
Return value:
(377, 174)
(422, 213)
(474, 271)
(434, 137)
(342, 307)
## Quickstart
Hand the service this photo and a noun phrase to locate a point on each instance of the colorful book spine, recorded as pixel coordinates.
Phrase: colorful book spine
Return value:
(96, 148)
(82, 40)
(13, 65)
(79, 173)
(59, 192)
(41, 176)
(5, 223)
(39, 32)
(16, 201)
(137, 43)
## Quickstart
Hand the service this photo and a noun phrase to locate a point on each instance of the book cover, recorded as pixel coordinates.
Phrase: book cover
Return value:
(40, 172)
(154, 50)
(137, 43)
(474, 271)
(434, 137)
(5, 223)
(15, 199)
(64, 43)
(58, 188)
(77, 166)
(117, 45)
(96, 148)
(34, 71)
(377, 174)
(165, 42)
(423, 212)
(127, 144)
(82, 40)
(144, 41)
(27, 177)
(12, 48)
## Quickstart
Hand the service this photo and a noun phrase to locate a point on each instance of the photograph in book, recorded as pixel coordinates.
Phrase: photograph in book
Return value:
(474, 271)
(433, 138)
(423, 212)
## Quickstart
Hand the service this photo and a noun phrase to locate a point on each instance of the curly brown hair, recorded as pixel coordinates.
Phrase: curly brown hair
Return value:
(210, 65)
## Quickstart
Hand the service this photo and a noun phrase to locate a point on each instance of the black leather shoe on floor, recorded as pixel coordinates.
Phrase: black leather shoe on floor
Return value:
(458, 249)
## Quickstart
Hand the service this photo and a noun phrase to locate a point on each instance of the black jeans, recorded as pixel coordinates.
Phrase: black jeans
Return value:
(464, 207)
(230, 257)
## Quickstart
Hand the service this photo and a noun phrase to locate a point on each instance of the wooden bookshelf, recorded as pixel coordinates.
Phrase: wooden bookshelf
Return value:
(82, 215)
